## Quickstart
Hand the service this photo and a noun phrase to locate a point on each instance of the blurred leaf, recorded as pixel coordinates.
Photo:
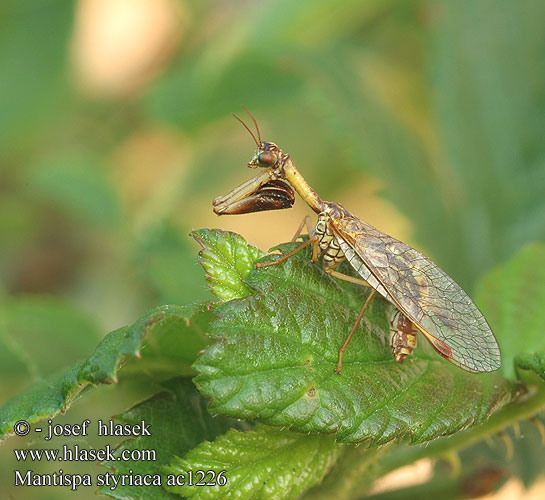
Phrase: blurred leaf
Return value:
(277, 350)
(507, 423)
(534, 362)
(474, 190)
(204, 89)
(478, 483)
(170, 333)
(512, 298)
(166, 258)
(264, 463)
(489, 102)
(39, 333)
(17, 225)
(524, 461)
(78, 183)
(351, 476)
(178, 422)
(370, 136)
(33, 55)
(227, 259)
(316, 22)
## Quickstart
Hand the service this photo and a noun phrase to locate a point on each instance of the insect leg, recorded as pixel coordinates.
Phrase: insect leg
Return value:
(358, 320)
(346, 277)
(311, 241)
(305, 222)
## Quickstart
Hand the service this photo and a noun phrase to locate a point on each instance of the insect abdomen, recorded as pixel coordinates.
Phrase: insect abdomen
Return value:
(327, 243)
(403, 336)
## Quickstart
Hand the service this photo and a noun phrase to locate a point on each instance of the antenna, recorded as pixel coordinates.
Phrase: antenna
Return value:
(254, 120)
(248, 128)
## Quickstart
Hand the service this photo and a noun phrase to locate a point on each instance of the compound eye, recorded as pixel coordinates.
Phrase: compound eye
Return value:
(266, 159)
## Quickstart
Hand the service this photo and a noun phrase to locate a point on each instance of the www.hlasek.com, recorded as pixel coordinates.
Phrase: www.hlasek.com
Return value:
(76, 453)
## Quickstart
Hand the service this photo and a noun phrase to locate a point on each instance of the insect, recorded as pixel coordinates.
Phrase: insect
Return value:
(426, 299)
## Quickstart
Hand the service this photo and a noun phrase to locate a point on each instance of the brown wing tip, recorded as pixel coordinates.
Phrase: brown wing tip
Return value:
(442, 348)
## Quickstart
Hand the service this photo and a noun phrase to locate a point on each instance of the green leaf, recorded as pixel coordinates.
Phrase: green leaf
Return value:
(43, 399)
(78, 182)
(534, 362)
(481, 481)
(351, 476)
(178, 422)
(37, 335)
(211, 92)
(503, 445)
(33, 50)
(264, 463)
(165, 258)
(167, 338)
(499, 424)
(278, 350)
(18, 227)
(175, 336)
(227, 259)
(512, 298)
(487, 98)
(527, 457)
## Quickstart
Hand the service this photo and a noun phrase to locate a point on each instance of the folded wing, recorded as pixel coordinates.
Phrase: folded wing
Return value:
(430, 298)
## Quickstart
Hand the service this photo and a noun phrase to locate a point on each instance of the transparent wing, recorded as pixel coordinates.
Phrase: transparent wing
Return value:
(430, 298)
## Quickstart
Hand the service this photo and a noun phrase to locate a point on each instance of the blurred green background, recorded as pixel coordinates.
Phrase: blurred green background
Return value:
(425, 118)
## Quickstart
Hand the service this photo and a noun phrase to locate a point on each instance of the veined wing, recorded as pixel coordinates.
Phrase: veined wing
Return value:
(428, 296)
